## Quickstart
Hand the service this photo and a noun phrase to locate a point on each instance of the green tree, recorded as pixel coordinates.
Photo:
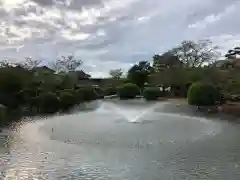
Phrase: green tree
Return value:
(166, 60)
(116, 73)
(12, 80)
(232, 53)
(138, 73)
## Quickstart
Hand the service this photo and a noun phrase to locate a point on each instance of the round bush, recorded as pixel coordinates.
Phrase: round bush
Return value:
(110, 91)
(151, 93)
(128, 91)
(86, 94)
(67, 100)
(203, 94)
(48, 102)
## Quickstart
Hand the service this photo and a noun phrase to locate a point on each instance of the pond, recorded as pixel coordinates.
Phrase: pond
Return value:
(124, 140)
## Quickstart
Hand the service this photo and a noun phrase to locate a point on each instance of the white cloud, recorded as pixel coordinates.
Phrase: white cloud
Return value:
(68, 35)
(210, 19)
(10, 4)
(101, 32)
(110, 34)
(226, 41)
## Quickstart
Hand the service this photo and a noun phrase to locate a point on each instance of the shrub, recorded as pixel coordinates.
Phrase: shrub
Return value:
(203, 94)
(70, 91)
(99, 92)
(67, 100)
(128, 91)
(86, 94)
(179, 91)
(110, 91)
(151, 93)
(3, 115)
(47, 102)
(25, 96)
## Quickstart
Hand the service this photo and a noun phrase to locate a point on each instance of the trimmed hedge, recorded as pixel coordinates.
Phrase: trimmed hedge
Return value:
(203, 94)
(128, 91)
(86, 94)
(151, 93)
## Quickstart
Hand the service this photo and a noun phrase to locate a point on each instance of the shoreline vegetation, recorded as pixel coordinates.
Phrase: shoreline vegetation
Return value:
(188, 71)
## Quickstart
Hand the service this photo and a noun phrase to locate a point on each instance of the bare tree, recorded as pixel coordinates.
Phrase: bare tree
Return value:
(30, 63)
(56, 65)
(116, 73)
(5, 64)
(65, 64)
(196, 54)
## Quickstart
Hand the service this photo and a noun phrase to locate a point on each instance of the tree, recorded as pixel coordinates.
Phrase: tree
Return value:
(30, 63)
(116, 73)
(166, 60)
(232, 53)
(196, 54)
(66, 64)
(12, 80)
(5, 64)
(138, 73)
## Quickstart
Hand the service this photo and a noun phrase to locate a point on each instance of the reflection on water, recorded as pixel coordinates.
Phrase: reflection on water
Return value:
(104, 144)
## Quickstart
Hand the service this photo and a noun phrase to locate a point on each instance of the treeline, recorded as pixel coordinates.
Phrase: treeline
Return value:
(189, 62)
(31, 89)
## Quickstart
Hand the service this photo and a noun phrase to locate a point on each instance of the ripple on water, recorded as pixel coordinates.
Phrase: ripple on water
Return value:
(103, 145)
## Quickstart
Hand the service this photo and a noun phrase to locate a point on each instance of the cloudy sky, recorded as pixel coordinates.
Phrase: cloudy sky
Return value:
(108, 34)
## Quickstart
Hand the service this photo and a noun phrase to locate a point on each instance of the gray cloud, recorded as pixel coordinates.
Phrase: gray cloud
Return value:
(111, 34)
(73, 4)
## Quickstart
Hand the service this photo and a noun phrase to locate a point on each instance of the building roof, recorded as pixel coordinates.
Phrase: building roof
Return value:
(42, 68)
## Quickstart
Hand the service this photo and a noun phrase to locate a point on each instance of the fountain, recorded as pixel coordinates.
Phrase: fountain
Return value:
(129, 113)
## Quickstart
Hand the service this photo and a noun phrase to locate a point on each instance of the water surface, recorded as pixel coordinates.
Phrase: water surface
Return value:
(119, 140)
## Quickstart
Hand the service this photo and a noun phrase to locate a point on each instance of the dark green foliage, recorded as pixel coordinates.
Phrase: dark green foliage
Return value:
(12, 80)
(3, 115)
(25, 95)
(99, 92)
(203, 94)
(179, 90)
(67, 100)
(152, 93)
(138, 74)
(233, 98)
(86, 94)
(47, 102)
(70, 91)
(110, 91)
(128, 91)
